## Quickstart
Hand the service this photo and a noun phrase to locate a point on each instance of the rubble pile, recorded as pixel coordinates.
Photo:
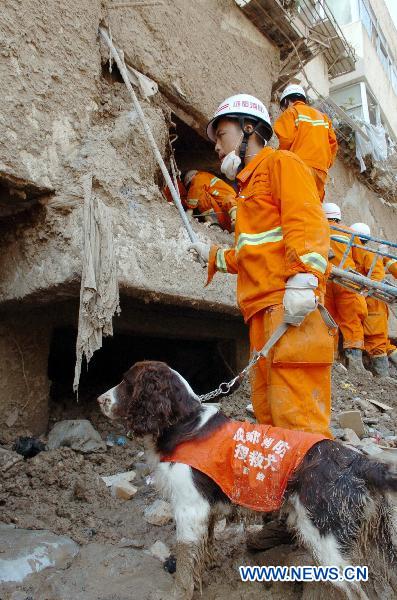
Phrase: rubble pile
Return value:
(104, 500)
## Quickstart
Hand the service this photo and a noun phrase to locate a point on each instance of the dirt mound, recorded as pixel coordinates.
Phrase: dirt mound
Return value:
(352, 391)
(62, 490)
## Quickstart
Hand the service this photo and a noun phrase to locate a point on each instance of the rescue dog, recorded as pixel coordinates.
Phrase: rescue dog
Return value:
(336, 503)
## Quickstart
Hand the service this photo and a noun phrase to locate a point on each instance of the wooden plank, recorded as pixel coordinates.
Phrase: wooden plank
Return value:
(380, 404)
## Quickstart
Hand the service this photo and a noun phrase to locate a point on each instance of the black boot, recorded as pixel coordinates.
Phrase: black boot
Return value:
(393, 358)
(380, 365)
(354, 360)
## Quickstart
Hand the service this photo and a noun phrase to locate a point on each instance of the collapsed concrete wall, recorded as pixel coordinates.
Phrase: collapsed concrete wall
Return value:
(24, 347)
(63, 120)
(359, 203)
(64, 117)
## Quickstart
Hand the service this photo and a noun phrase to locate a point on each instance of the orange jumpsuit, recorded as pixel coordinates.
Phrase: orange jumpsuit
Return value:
(375, 325)
(390, 265)
(182, 194)
(212, 197)
(309, 133)
(281, 230)
(348, 308)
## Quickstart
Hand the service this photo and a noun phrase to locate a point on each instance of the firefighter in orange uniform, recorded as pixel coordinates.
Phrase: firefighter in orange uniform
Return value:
(348, 308)
(212, 197)
(390, 265)
(280, 257)
(376, 323)
(308, 133)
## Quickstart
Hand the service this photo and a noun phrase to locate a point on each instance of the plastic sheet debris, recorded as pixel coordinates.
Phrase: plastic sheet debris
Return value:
(114, 439)
(28, 447)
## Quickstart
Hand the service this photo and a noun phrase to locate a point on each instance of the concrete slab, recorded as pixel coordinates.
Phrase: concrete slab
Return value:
(25, 552)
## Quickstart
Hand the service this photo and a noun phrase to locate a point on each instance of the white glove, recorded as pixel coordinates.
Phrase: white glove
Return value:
(299, 297)
(233, 215)
(202, 250)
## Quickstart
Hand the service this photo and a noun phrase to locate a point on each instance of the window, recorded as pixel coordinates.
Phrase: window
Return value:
(349, 98)
(366, 18)
(358, 102)
(373, 109)
(382, 53)
(393, 77)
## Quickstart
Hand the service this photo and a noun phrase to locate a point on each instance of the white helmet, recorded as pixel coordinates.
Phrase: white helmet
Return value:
(332, 211)
(187, 180)
(240, 106)
(293, 89)
(361, 228)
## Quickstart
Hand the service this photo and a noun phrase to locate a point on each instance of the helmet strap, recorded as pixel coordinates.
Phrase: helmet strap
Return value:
(244, 143)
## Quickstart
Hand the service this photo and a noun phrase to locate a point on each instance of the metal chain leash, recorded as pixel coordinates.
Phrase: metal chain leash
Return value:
(225, 387)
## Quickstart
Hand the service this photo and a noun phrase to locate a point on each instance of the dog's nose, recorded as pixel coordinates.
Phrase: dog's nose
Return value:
(101, 399)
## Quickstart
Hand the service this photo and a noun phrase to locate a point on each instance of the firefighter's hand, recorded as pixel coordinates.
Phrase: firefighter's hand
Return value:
(202, 249)
(299, 297)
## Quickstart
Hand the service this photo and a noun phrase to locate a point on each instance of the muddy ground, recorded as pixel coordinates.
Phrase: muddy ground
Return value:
(61, 491)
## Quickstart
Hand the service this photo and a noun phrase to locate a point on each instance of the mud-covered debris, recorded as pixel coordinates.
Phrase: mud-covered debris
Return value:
(159, 513)
(111, 480)
(142, 470)
(369, 447)
(8, 458)
(351, 419)
(170, 564)
(113, 439)
(380, 405)
(28, 447)
(159, 550)
(123, 490)
(77, 434)
(25, 552)
(351, 437)
(131, 543)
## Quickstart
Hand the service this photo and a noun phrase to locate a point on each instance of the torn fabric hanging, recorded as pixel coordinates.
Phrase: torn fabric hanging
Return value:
(99, 292)
(376, 145)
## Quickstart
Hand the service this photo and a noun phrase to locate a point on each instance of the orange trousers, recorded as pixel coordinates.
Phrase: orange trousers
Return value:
(390, 347)
(320, 177)
(376, 329)
(291, 387)
(349, 311)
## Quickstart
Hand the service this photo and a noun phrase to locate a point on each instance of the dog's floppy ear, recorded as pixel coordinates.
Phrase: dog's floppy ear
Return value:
(150, 404)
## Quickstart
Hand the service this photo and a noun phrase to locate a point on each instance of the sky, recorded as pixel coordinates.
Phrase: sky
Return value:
(392, 6)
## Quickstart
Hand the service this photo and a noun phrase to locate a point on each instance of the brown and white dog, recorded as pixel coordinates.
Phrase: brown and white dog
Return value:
(336, 503)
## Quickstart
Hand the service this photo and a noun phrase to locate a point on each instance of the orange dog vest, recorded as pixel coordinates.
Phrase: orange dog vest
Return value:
(251, 463)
